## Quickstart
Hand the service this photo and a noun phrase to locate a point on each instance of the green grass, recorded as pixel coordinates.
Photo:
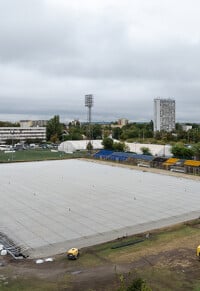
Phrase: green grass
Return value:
(197, 286)
(102, 253)
(35, 284)
(164, 279)
(36, 155)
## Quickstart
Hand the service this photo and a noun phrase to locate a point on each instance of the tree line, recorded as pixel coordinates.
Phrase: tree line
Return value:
(185, 144)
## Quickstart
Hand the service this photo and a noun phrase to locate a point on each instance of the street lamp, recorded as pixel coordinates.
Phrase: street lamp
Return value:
(89, 101)
(12, 133)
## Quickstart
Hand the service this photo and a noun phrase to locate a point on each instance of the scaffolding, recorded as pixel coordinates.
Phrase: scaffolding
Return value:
(16, 251)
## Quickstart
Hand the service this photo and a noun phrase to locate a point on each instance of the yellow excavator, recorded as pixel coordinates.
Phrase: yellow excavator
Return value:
(198, 252)
(73, 253)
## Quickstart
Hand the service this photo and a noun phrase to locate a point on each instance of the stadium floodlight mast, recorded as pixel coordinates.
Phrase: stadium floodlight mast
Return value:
(89, 104)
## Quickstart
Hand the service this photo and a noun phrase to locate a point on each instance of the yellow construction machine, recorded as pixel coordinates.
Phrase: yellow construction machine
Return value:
(198, 252)
(73, 253)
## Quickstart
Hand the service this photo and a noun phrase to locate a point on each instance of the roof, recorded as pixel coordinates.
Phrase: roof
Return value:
(159, 159)
(77, 145)
(155, 149)
(192, 163)
(122, 156)
(56, 205)
(72, 250)
(142, 157)
(170, 162)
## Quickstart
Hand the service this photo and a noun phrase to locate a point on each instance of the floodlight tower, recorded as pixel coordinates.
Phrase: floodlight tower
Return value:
(89, 104)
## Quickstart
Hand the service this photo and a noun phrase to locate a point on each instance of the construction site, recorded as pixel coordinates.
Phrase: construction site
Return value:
(48, 207)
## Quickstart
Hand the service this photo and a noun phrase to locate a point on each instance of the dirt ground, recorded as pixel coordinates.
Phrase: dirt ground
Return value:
(178, 257)
(166, 264)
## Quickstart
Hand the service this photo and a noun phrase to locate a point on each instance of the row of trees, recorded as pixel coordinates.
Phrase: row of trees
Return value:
(9, 124)
(144, 132)
(182, 151)
(109, 144)
(139, 132)
(179, 150)
(57, 131)
(185, 145)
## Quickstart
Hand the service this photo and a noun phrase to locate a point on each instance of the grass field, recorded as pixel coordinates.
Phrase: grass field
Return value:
(37, 155)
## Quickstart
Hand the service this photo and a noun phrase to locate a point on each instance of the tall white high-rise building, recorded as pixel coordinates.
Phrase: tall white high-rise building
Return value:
(164, 114)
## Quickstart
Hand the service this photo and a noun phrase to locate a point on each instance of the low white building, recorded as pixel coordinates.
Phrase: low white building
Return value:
(155, 149)
(22, 133)
(71, 146)
(186, 127)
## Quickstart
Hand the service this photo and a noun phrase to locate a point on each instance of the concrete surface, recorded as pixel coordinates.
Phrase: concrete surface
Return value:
(50, 206)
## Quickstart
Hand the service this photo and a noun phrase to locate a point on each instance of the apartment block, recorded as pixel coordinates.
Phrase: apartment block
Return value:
(164, 114)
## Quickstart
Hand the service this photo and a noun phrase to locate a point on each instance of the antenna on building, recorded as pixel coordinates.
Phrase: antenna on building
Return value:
(89, 104)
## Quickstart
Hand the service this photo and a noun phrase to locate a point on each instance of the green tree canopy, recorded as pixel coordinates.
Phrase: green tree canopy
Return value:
(96, 131)
(89, 146)
(54, 129)
(146, 151)
(107, 143)
(116, 132)
(9, 124)
(137, 284)
(119, 146)
(182, 152)
(196, 150)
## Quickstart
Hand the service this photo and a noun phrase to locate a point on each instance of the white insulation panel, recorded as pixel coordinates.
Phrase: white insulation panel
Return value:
(50, 206)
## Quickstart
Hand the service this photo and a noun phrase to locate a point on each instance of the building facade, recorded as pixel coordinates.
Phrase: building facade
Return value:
(22, 134)
(186, 127)
(122, 121)
(164, 114)
(34, 123)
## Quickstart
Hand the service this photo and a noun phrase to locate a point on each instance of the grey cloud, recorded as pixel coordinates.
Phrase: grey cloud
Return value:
(52, 53)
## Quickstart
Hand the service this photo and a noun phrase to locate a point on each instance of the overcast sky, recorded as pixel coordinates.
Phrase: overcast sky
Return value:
(124, 52)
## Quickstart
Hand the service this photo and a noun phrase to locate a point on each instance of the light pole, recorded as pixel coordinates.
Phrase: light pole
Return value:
(89, 104)
(12, 132)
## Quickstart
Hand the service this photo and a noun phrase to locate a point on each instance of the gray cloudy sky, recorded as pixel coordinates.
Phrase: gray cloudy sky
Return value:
(124, 52)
